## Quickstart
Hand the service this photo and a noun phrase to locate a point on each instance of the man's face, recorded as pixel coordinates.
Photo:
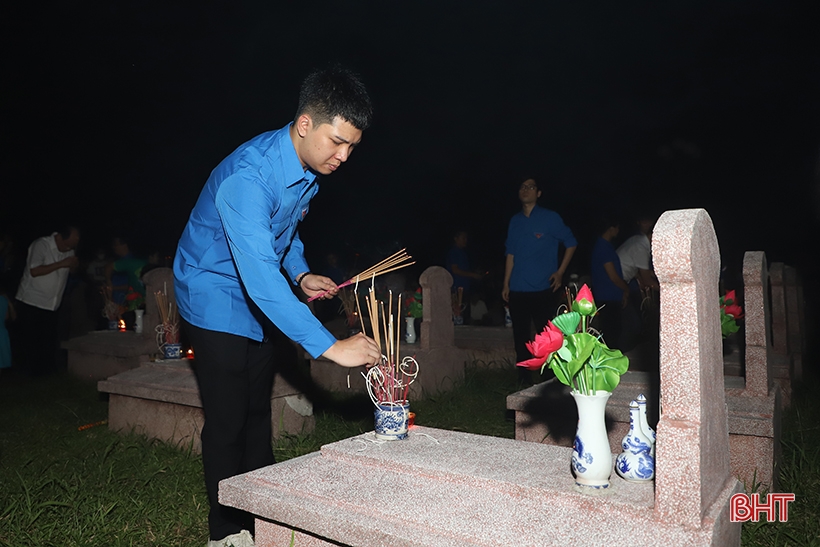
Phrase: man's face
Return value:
(460, 240)
(69, 244)
(528, 192)
(327, 146)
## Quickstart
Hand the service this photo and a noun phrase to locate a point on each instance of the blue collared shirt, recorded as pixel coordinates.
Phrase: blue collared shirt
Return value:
(533, 242)
(241, 232)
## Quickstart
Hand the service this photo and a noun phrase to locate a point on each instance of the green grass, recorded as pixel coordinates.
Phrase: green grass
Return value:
(63, 487)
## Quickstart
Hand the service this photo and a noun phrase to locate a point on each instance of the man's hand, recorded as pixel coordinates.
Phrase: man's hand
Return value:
(557, 280)
(71, 262)
(354, 351)
(314, 284)
(505, 294)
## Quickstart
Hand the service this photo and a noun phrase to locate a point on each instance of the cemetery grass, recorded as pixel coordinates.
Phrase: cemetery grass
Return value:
(64, 487)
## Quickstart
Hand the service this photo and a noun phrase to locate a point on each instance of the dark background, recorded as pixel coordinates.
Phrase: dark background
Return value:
(114, 113)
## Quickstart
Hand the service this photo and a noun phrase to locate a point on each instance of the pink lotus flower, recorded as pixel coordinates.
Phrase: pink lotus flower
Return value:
(734, 310)
(584, 302)
(545, 343)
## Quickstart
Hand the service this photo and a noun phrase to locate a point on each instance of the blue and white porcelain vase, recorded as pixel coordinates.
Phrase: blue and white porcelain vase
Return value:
(591, 456)
(391, 421)
(648, 431)
(636, 463)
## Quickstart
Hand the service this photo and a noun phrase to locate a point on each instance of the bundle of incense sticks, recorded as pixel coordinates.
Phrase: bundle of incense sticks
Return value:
(458, 298)
(394, 262)
(389, 381)
(348, 306)
(111, 310)
(168, 329)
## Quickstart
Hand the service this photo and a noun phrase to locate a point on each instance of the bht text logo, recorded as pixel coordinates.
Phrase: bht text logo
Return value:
(743, 507)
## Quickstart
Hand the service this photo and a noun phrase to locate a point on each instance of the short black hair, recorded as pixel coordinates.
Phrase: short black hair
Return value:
(524, 179)
(608, 220)
(66, 228)
(335, 91)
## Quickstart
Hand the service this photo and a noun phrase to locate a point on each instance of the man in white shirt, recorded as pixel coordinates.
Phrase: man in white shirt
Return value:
(41, 290)
(636, 257)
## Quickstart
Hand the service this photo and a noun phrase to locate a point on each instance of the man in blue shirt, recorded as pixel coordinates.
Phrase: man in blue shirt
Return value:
(228, 277)
(532, 274)
(610, 290)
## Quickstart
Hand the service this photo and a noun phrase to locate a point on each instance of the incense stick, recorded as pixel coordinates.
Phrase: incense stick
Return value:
(394, 262)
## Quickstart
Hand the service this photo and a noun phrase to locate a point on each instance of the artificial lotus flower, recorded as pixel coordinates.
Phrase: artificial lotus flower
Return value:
(734, 310)
(584, 302)
(542, 347)
(577, 355)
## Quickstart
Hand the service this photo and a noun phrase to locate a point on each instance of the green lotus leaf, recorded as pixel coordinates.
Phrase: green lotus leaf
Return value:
(567, 322)
(559, 372)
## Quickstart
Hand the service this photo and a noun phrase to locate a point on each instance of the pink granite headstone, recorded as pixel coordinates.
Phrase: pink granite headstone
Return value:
(783, 365)
(757, 319)
(692, 466)
(794, 312)
(437, 328)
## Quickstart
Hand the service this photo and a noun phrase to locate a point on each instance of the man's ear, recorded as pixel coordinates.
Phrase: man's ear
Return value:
(304, 123)
(538, 194)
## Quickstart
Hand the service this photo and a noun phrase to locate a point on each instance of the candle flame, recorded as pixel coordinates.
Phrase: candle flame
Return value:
(122, 325)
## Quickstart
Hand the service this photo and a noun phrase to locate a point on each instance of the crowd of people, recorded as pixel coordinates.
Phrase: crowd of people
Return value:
(49, 294)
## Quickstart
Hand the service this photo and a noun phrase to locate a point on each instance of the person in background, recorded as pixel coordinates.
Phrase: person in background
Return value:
(636, 261)
(610, 290)
(40, 294)
(7, 313)
(236, 264)
(532, 272)
(458, 264)
(130, 268)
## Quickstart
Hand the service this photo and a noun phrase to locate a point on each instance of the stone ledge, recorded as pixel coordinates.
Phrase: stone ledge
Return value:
(444, 488)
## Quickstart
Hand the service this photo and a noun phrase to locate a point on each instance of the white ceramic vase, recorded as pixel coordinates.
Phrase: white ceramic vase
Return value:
(591, 456)
(410, 330)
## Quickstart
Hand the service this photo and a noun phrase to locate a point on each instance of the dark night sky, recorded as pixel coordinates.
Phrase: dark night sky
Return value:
(115, 113)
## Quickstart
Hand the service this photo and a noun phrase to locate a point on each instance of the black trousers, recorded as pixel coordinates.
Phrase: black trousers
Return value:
(526, 309)
(235, 378)
(38, 339)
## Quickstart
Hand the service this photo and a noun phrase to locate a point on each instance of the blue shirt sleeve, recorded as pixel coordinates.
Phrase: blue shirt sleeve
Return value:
(241, 204)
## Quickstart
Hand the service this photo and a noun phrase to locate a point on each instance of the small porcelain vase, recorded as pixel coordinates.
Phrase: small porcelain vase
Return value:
(172, 351)
(410, 330)
(138, 321)
(636, 463)
(591, 457)
(648, 431)
(391, 421)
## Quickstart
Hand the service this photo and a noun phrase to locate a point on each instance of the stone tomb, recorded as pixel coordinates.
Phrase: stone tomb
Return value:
(161, 401)
(545, 413)
(442, 488)
(101, 354)
(441, 363)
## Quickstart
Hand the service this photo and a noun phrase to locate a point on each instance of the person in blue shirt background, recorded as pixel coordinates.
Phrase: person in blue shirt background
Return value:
(609, 288)
(458, 264)
(228, 277)
(532, 274)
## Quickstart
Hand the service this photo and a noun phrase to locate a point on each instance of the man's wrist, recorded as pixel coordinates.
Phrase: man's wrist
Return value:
(300, 277)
